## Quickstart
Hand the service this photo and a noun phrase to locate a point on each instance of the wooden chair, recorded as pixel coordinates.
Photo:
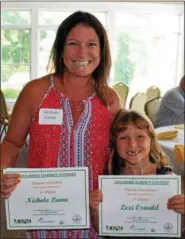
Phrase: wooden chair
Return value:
(151, 107)
(138, 102)
(153, 92)
(4, 116)
(122, 91)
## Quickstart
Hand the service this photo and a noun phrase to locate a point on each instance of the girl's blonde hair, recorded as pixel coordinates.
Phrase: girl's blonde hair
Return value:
(141, 121)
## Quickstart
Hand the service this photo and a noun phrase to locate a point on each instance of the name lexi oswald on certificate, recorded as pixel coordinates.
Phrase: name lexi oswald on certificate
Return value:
(50, 198)
(137, 206)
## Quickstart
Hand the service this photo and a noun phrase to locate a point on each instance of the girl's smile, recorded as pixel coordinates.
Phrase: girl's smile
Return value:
(133, 145)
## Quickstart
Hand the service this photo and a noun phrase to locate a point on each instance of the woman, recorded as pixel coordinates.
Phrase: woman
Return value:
(81, 63)
(135, 151)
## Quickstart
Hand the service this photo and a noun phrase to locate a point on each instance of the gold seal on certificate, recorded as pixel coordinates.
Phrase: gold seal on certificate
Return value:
(136, 206)
(50, 198)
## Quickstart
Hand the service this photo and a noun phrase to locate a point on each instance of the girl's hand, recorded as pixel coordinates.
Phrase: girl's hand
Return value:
(176, 203)
(95, 198)
(8, 184)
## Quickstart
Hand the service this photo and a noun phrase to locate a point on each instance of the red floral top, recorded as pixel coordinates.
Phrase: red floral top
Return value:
(67, 145)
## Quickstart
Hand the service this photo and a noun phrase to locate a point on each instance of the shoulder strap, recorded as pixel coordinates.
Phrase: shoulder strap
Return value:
(51, 81)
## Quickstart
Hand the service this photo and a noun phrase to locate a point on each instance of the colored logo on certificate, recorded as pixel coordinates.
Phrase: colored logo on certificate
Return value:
(114, 228)
(22, 221)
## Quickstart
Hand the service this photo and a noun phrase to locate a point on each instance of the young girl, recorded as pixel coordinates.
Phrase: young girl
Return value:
(135, 151)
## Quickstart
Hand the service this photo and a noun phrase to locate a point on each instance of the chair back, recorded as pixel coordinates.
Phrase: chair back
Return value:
(4, 110)
(153, 92)
(138, 102)
(151, 107)
(122, 91)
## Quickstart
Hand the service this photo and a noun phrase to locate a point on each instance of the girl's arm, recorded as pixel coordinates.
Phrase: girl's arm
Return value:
(95, 198)
(176, 203)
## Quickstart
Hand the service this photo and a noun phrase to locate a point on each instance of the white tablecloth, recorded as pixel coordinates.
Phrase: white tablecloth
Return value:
(168, 146)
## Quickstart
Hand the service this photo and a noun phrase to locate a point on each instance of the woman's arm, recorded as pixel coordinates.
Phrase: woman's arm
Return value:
(17, 129)
(23, 112)
(13, 142)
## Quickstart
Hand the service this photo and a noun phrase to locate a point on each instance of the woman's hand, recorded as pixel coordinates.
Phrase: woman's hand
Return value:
(176, 203)
(8, 184)
(95, 198)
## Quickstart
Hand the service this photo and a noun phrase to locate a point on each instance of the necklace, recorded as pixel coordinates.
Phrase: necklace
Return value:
(80, 107)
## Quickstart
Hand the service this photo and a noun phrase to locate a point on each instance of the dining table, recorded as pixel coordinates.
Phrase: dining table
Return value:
(168, 145)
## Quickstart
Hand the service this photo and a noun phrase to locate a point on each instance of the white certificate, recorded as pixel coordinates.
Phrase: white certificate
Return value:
(136, 206)
(50, 198)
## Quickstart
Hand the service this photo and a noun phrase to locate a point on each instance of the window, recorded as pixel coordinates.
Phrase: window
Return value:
(146, 49)
(15, 52)
(48, 24)
(46, 41)
(147, 41)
